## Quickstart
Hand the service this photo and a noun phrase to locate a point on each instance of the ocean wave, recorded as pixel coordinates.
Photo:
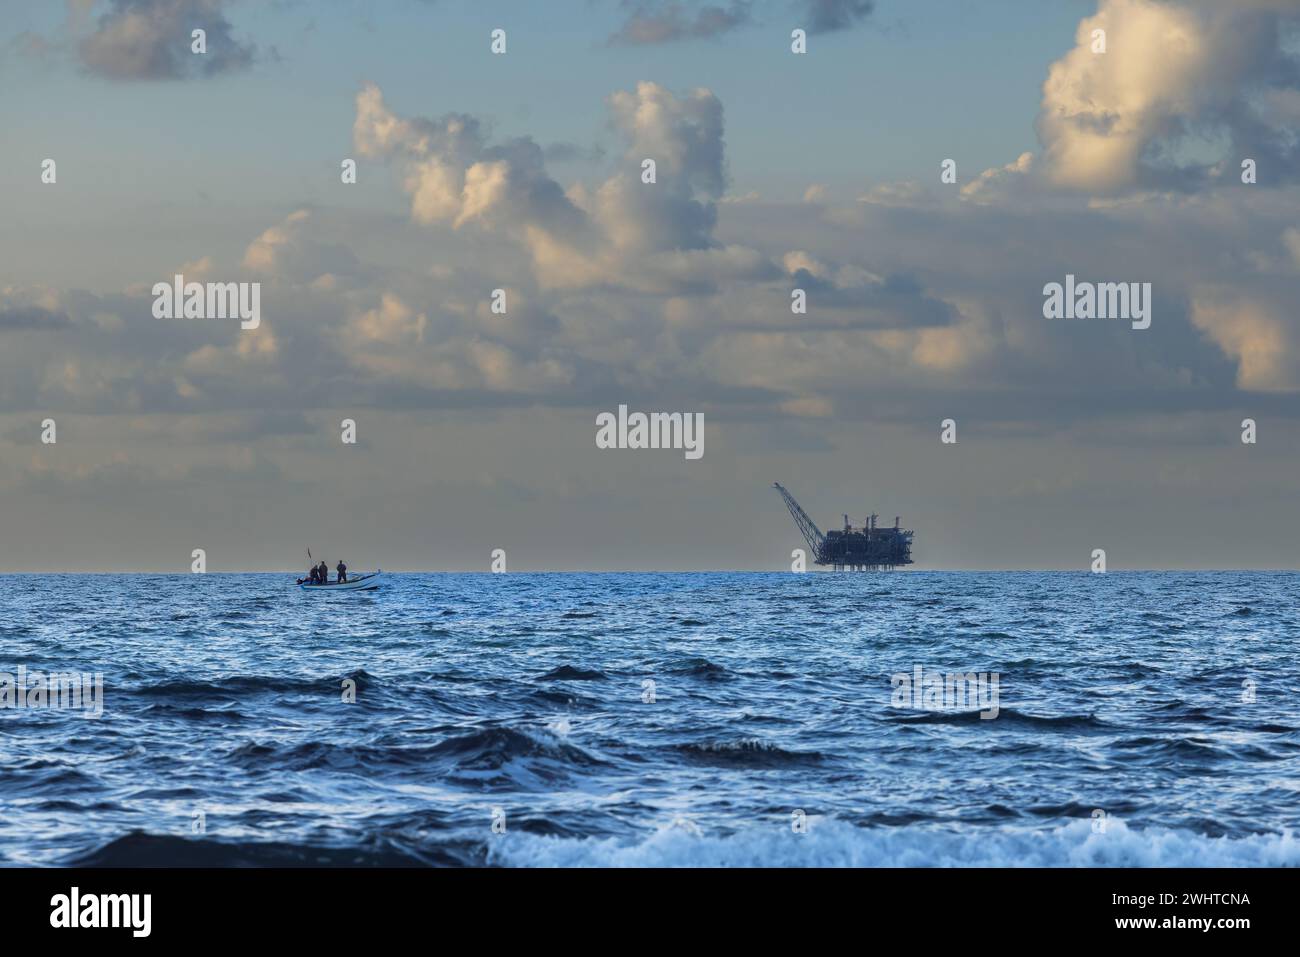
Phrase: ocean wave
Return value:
(492, 748)
(192, 714)
(1197, 749)
(549, 698)
(701, 668)
(1007, 717)
(255, 756)
(139, 849)
(833, 843)
(252, 684)
(570, 673)
(747, 754)
(485, 698)
(51, 778)
(486, 749)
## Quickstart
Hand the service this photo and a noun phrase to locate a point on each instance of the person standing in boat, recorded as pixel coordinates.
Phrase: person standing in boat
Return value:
(343, 571)
(324, 571)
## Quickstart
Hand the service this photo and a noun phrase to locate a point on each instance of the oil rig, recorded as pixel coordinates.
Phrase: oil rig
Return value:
(869, 548)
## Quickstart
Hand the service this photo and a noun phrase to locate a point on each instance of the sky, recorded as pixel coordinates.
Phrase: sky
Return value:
(523, 171)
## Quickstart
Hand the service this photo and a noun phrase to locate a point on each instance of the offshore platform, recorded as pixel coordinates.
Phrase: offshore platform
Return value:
(869, 548)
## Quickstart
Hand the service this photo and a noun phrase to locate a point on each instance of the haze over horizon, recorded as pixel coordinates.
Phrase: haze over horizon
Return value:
(522, 171)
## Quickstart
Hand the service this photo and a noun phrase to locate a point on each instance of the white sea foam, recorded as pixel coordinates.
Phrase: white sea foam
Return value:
(833, 843)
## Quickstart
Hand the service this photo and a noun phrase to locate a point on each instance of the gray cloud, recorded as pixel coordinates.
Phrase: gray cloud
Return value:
(831, 16)
(895, 301)
(151, 40)
(654, 21)
(32, 317)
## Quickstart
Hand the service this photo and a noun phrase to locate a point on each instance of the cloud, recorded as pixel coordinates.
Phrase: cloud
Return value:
(683, 135)
(244, 427)
(666, 296)
(392, 322)
(258, 345)
(653, 237)
(289, 251)
(1291, 239)
(994, 184)
(1177, 81)
(850, 297)
(1255, 337)
(32, 317)
(816, 193)
(151, 40)
(900, 193)
(617, 288)
(831, 16)
(454, 175)
(651, 22)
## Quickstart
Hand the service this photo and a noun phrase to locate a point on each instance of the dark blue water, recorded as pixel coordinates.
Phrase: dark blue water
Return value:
(1143, 718)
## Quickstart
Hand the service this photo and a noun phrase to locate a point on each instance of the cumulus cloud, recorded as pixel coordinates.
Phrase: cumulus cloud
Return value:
(1178, 78)
(151, 40)
(454, 175)
(620, 285)
(1253, 335)
(624, 232)
(288, 250)
(993, 184)
(831, 16)
(666, 22)
(392, 322)
(683, 135)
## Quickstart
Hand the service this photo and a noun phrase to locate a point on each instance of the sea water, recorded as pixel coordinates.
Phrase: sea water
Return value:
(656, 719)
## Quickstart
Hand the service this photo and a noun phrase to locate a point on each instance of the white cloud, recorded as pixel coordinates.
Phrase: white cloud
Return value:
(652, 237)
(288, 251)
(1250, 333)
(1173, 75)
(994, 184)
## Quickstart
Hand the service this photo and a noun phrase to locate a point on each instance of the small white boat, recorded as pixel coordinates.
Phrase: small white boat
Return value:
(358, 583)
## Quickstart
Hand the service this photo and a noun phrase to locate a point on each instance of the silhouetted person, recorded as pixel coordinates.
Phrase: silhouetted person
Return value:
(343, 571)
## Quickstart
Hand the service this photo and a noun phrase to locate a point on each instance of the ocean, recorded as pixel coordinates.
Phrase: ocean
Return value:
(1130, 718)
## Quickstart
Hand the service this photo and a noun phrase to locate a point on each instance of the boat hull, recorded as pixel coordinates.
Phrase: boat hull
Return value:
(360, 583)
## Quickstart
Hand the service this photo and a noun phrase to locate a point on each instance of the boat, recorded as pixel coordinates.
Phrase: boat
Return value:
(356, 583)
